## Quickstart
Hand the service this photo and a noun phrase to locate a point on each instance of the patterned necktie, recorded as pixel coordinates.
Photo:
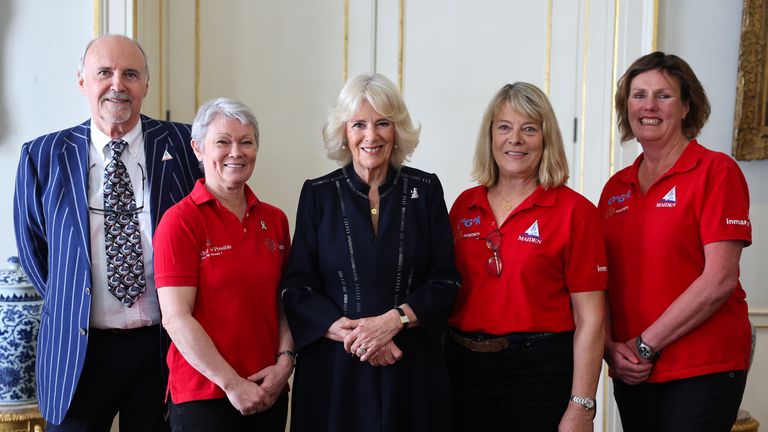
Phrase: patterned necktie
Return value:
(125, 262)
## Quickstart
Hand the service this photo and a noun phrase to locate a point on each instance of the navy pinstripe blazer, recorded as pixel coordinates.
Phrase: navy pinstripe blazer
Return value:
(52, 235)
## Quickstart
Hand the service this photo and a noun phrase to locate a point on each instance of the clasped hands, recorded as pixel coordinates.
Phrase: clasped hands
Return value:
(626, 364)
(369, 338)
(258, 392)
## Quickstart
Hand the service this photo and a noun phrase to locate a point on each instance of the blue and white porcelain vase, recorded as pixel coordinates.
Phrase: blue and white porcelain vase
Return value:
(20, 308)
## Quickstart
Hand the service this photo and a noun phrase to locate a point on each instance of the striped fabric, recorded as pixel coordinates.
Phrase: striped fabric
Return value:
(52, 236)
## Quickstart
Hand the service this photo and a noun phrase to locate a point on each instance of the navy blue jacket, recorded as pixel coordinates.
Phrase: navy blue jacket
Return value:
(339, 267)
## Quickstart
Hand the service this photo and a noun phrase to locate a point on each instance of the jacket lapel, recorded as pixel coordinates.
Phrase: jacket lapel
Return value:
(159, 151)
(73, 172)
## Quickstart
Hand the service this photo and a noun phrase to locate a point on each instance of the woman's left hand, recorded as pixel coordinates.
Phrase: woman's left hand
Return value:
(576, 419)
(386, 356)
(274, 379)
(369, 335)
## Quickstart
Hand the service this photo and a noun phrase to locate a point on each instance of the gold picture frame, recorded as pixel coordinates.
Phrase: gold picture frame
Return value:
(750, 134)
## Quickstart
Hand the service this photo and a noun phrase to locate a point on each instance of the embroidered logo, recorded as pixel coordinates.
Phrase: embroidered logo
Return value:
(414, 193)
(669, 200)
(620, 198)
(271, 245)
(617, 199)
(738, 222)
(468, 223)
(531, 235)
(212, 251)
(601, 269)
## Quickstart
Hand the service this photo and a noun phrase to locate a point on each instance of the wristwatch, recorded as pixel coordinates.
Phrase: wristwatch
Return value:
(403, 317)
(645, 351)
(587, 402)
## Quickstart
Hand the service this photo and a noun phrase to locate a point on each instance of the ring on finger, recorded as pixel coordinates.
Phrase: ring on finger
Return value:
(361, 351)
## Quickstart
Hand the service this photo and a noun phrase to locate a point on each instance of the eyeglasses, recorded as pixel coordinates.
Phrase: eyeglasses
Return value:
(128, 211)
(492, 242)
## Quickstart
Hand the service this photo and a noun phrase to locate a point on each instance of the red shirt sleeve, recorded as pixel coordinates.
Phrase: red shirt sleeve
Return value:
(725, 210)
(586, 265)
(177, 245)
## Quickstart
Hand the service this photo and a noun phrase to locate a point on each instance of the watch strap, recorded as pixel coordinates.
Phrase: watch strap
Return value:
(587, 402)
(403, 317)
(646, 351)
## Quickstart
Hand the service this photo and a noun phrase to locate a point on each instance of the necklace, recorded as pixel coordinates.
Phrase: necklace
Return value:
(507, 206)
(375, 208)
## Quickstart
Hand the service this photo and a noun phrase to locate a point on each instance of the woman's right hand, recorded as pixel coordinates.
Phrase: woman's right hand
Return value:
(248, 397)
(625, 364)
(388, 355)
(339, 329)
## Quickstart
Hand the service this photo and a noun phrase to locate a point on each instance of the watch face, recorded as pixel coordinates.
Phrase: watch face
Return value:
(644, 352)
(589, 403)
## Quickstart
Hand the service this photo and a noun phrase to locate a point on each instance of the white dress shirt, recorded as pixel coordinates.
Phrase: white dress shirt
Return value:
(106, 310)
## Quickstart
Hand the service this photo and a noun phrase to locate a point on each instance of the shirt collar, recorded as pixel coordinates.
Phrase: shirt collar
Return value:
(540, 197)
(686, 162)
(200, 194)
(100, 141)
(362, 187)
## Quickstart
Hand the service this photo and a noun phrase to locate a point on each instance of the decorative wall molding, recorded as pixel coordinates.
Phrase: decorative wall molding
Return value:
(750, 129)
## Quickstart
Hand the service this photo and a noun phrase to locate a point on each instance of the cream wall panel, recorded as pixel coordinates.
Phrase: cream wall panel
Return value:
(564, 73)
(179, 60)
(285, 61)
(757, 381)
(38, 86)
(387, 35)
(361, 42)
(454, 62)
(116, 17)
(149, 34)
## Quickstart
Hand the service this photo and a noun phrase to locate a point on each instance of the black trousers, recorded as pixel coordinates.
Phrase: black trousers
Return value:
(522, 388)
(123, 372)
(706, 403)
(215, 415)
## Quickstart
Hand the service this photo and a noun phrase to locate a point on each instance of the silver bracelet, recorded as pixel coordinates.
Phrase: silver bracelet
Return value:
(287, 353)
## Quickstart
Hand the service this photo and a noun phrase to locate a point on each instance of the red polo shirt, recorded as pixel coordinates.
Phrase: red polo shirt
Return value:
(236, 267)
(551, 247)
(655, 244)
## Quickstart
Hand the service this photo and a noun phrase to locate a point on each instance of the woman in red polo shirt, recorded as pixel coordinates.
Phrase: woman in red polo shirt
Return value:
(675, 223)
(219, 255)
(525, 345)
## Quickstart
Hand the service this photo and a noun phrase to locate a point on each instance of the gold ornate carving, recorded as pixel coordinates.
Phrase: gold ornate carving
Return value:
(750, 136)
(24, 418)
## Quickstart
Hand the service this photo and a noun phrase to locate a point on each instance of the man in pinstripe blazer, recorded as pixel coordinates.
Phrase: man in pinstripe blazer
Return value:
(95, 355)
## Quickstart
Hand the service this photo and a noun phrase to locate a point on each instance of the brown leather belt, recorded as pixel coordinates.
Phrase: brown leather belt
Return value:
(485, 343)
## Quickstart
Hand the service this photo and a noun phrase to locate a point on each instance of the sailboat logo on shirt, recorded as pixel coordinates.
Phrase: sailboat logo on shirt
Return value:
(670, 199)
(531, 235)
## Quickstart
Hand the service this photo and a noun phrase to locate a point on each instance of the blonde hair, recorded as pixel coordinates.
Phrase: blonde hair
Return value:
(529, 100)
(386, 99)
